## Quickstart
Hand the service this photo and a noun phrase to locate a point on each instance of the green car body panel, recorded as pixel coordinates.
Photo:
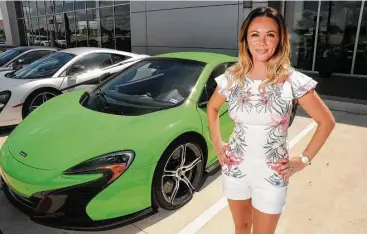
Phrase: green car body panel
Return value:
(62, 133)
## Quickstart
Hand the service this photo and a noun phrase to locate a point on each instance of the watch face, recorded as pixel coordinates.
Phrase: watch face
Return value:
(304, 159)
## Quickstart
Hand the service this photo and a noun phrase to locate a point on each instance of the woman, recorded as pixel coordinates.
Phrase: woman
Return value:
(260, 90)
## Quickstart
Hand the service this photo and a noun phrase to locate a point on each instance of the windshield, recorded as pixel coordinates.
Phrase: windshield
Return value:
(10, 54)
(150, 85)
(45, 67)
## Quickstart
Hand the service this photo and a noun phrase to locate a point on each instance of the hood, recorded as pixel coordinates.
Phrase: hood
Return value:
(9, 83)
(63, 133)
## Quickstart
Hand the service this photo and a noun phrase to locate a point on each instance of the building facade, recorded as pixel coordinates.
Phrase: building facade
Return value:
(328, 38)
(66, 24)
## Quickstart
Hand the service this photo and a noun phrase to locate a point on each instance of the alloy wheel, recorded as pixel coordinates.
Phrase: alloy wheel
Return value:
(39, 100)
(182, 173)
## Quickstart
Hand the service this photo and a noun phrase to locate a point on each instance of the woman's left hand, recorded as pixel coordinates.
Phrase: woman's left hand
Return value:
(288, 167)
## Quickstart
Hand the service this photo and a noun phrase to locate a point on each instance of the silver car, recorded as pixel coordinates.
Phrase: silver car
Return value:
(23, 91)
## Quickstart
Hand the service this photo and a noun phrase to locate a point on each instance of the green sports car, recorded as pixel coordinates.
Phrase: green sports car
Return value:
(136, 142)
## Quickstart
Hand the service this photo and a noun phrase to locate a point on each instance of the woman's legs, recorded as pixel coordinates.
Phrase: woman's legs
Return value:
(264, 223)
(241, 211)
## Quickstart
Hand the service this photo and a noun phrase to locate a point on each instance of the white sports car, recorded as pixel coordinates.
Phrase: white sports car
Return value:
(24, 90)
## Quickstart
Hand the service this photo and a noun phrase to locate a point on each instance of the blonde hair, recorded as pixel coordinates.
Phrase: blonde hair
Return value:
(278, 65)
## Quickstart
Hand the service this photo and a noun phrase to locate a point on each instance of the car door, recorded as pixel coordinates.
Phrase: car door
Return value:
(226, 124)
(88, 68)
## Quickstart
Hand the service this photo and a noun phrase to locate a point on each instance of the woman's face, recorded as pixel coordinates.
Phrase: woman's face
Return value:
(262, 38)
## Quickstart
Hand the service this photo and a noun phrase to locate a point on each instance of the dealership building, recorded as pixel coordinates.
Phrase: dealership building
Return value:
(328, 38)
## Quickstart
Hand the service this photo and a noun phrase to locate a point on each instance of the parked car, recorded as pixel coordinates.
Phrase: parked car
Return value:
(17, 58)
(24, 90)
(136, 142)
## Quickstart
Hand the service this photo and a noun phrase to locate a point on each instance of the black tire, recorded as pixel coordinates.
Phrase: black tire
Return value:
(163, 186)
(28, 104)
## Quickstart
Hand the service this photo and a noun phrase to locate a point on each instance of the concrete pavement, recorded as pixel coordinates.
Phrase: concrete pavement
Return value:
(328, 197)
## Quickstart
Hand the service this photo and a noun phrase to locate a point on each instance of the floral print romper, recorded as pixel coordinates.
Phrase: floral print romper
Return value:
(259, 138)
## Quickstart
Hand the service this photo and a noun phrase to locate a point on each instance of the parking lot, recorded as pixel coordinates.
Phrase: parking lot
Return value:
(330, 196)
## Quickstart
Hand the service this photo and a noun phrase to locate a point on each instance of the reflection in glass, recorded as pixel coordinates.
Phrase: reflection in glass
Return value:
(337, 34)
(49, 7)
(59, 25)
(91, 4)
(105, 3)
(41, 8)
(58, 6)
(71, 37)
(123, 31)
(360, 67)
(301, 21)
(81, 28)
(43, 38)
(107, 28)
(93, 33)
(32, 8)
(68, 5)
(79, 5)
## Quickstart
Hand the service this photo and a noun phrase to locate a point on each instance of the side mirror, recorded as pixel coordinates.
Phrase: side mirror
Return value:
(75, 69)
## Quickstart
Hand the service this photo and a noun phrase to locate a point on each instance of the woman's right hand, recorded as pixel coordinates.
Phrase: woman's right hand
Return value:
(221, 153)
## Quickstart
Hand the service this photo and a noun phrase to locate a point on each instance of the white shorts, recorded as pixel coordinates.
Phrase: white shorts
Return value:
(267, 196)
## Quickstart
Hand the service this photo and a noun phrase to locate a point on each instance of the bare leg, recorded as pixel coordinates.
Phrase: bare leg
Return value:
(241, 211)
(264, 223)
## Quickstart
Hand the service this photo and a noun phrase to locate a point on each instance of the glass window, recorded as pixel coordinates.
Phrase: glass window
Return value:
(93, 27)
(105, 3)
(154, 83)
(79, 5)
(44, 37)
(301, 19)
(70, 35)
(41, 7)
(68, 5)
(116, 58)
(107, 27)
(337, 33)
(123, 31)
(211, 84)
(44, 67)
(60, 31)
(81, 28)
(360, 67)
(32, 8)
(26, 11)
(89, 62)
(49, 7)
(91, 4)
(29, 57)
(59, 6)
(9, 55)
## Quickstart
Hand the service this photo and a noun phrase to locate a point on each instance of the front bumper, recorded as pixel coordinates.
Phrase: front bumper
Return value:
(10, 115)
(66, 208)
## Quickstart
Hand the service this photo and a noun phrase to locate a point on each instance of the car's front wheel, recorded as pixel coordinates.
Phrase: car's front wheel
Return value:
(36, 99)
(178, 175)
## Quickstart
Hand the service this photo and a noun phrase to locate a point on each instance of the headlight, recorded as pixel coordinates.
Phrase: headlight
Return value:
(111, 165)
(4, 98)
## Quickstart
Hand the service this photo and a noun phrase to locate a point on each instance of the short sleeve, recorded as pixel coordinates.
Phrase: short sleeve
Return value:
(301, 84)
(222, 83)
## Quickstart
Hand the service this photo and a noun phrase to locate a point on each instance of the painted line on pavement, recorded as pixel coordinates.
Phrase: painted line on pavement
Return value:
(200, 221)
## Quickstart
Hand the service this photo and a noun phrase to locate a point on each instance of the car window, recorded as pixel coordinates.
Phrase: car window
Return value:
(211, 84)
(89, 62)
(9, 55)
(158, 80)
(30, 57)
(45, 67)
(116, 58)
